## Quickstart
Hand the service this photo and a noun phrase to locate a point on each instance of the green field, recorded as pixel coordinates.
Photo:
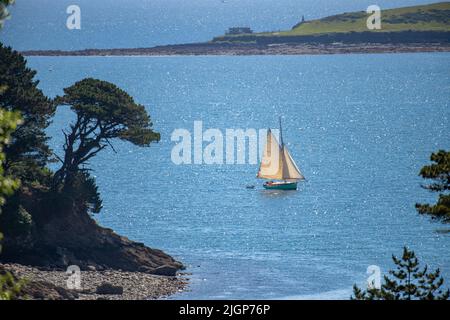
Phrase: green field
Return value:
(433, 17)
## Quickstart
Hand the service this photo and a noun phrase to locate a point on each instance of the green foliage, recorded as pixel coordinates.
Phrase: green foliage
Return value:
(28, 152)
(10, 288)
(8, 123)
(430, 17)
(85, 191)
(440, 211)
(4, 13)
(102, 107)
(103, 112)
(16, 220)
(407, 282)
(439, 173)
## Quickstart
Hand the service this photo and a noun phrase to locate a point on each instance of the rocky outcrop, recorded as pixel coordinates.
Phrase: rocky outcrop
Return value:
(165, 270)
(42, 290)
(108, 288)
(72, 237)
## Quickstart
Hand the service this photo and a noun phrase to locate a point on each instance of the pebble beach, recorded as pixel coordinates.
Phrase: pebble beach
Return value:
(132, 285)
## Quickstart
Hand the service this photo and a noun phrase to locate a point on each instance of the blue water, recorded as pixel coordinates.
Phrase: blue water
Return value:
(359, 126)
(41, 24)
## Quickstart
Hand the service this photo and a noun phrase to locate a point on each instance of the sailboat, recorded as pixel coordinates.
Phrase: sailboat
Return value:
(277, 164)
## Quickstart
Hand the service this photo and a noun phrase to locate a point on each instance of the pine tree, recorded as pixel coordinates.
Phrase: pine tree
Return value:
(103, 113)
(408, 281)
(28, 152)
(10, 288)
(8, 123)
(439, 172)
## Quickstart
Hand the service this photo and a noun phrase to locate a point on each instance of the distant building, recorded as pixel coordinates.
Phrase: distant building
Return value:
(239, 30)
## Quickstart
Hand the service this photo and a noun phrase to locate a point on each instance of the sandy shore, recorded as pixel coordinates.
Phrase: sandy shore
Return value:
(43, 284)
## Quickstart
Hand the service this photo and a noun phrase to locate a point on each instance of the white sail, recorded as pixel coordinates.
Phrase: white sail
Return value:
(290, 169)
(277, 163)
(271, 167)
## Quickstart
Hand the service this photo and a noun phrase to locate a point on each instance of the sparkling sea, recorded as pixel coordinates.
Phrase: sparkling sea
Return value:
(360, 127)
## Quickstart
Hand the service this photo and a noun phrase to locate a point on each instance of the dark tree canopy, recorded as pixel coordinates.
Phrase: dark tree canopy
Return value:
(32, 216)
(103, 112)
(439, 173)
(8, 123)
(408, 281)
(28, 151)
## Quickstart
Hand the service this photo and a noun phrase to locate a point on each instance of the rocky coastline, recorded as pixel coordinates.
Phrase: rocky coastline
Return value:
(110, 266)
(242, 49)
(106, 284)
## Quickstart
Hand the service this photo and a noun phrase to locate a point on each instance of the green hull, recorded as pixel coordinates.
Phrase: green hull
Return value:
(281, 186)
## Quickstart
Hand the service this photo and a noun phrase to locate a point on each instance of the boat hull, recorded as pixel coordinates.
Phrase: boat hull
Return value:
(280, 185)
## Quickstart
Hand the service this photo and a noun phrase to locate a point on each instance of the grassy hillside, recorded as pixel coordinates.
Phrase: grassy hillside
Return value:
(433, 17)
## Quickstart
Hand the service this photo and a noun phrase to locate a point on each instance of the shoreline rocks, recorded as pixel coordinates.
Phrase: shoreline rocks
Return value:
(108, 288)
(93, 285)
(72, 237)
(236, 49)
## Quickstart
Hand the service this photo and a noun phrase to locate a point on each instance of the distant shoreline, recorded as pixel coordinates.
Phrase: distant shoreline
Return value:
(422, 28)
(228, 49)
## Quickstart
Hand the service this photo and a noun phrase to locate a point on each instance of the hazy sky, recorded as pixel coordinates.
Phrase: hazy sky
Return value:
(41, 24)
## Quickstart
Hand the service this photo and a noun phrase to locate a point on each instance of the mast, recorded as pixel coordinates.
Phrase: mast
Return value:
(277, 163)
(282, 155)
(281, 132)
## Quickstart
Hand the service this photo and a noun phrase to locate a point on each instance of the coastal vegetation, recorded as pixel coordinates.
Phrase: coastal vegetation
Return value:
(4, 14)
(9, 287)
(103, 112)
(422, 28)
(423, 19)
(408, 281)
(45, 216)
(28, 153)
(439, 173)
(46, 221)
(432, 17)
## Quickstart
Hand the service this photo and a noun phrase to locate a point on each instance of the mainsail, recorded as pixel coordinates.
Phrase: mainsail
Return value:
(277, 163)
(290, 169)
